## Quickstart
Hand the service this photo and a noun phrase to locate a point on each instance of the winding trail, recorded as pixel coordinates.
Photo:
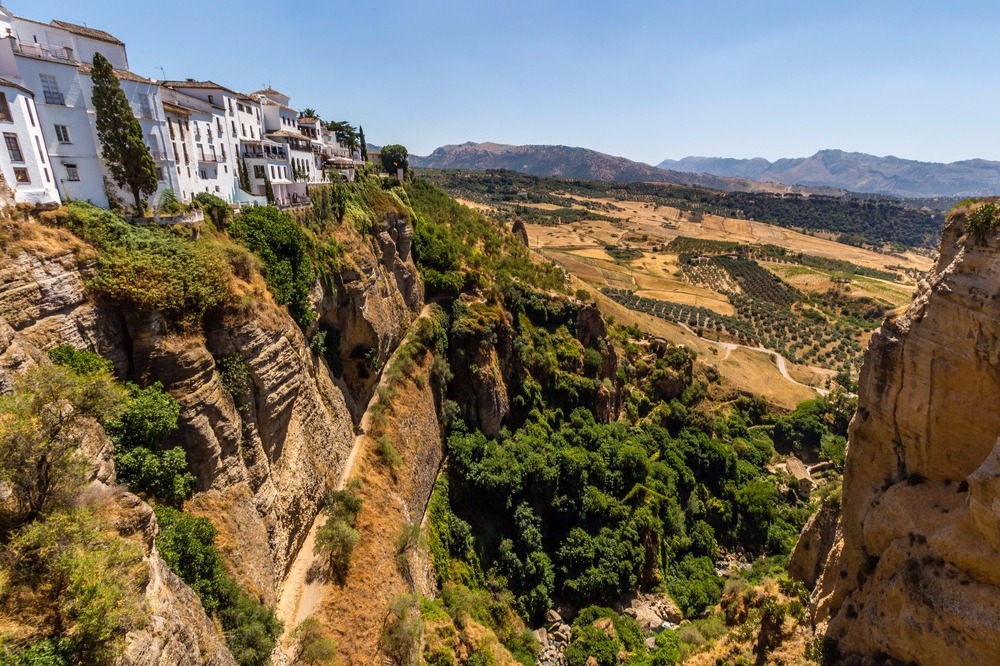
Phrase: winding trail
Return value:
(778, 359)
(302, 590)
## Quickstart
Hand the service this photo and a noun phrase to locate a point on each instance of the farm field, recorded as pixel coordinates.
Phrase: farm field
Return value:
(737, 282)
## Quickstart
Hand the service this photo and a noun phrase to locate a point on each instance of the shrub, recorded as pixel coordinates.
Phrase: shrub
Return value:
(216, 209)
(982, 219)
(336, 541)
(80, 361)
(387, 454)
(187, 545)
(76, 572)
(314, 647)
(142, 461)
(402, 631)
(152, 269)
(284, 247)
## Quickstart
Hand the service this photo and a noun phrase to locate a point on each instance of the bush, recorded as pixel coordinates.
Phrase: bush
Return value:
(73, 570)
(387, 454)
(216, 209)
(141, 460)
(187, 545)
(314, 647)
(693, 585)
(402, 631)
(283, 246)
(80, 361)
(152, 269)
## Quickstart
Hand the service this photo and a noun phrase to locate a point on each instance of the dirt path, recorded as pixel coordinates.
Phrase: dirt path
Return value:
(302, 590)
(778, 359)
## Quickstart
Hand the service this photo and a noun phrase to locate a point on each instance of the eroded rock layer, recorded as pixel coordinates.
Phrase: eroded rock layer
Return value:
(913, 573)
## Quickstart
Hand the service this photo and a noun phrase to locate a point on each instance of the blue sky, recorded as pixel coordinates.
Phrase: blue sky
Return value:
(647, 80)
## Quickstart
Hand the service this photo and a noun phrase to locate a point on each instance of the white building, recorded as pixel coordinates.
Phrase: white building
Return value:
(53, 61)
(204, 153)
(281, 128)
(23, 159)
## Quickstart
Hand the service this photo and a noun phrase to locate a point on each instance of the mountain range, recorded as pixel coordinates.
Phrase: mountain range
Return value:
(857, 172)
(583, 163)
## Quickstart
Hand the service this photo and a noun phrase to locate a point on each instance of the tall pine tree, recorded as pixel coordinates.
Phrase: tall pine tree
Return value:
(364, 144)
(125, 154)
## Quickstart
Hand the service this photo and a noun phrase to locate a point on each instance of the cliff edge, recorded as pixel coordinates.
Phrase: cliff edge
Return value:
(912, 574)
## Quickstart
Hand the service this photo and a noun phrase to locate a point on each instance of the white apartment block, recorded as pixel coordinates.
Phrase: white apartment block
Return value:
(198, 132)
(24, 161)
(203, 153)
(53, 61)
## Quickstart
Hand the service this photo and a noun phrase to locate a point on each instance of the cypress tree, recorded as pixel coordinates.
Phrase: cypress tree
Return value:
(364, 144)
(268, 190)
(244, 175)
(124, 152)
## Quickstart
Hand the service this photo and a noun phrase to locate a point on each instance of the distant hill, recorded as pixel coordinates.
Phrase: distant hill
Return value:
(857, 172)
(582, 163)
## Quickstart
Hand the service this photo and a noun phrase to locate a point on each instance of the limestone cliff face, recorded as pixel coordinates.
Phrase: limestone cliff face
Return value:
(177, 630)
(262, 459)
(913, 574)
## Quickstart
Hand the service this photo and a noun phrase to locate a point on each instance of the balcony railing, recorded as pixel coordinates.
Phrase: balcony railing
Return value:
(60, 54)
(209, 158)
(264, 155)
(159, 155)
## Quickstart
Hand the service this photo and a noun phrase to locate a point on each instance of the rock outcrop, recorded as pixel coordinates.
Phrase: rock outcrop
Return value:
(913, 574)
(176, 630)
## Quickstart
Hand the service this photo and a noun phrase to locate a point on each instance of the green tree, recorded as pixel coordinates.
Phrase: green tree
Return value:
(346, 134)
(124, 152)
(244, 175)
(363, 143)
(42, 426)
(269, 190)
(315, 647)
(394, 157)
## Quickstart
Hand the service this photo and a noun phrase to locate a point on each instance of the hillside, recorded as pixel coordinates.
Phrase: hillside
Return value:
(872, 221)
(857, 172)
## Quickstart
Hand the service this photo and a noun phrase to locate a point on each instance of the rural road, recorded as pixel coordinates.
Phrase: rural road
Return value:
(778, 359)
(300, 593)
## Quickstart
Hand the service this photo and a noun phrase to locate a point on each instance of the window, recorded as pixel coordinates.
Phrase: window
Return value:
(50, 88)
(145, 111)
(13, 147)
(48, 178)
(244, 128)
(62, 134)
(234, 128)
(5, 109)
(258, 171)
(31, 116)
(170, 126)
(41, 152)
(211, 99)
(204, 174)
(161, 175)
(21, 176)
(72, 173)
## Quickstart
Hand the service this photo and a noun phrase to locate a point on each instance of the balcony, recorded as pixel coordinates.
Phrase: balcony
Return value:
(212, 159)
(61, 54)
(265, 155)
(159, 155)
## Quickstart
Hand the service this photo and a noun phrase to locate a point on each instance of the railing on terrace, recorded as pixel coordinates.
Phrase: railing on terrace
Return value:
(268, 155)
(209, 158)
(60, 54)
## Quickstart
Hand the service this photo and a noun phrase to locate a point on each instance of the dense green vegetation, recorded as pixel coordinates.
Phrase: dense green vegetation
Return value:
(872, 220)
(458, 248)
(152, 269)
(186, 544)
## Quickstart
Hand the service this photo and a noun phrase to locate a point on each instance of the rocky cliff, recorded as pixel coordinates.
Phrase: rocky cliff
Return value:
(913, 574)
(264, 455)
